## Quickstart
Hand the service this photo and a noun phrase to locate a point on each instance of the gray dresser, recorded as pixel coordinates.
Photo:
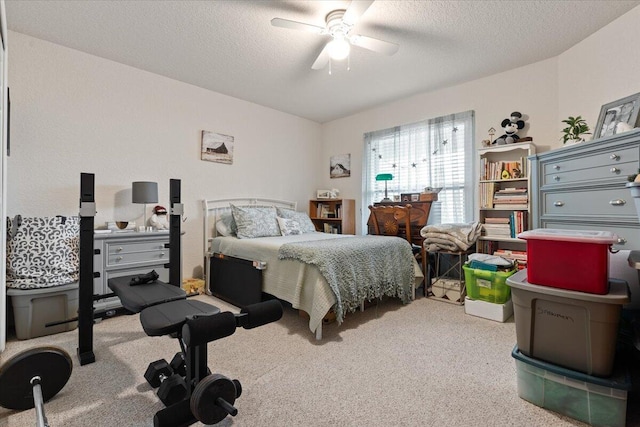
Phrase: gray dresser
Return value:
(121, 254)
(582, 187)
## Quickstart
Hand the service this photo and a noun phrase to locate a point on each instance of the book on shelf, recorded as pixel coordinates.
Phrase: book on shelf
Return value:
(491, 220)
(506, 206)
(503, 170)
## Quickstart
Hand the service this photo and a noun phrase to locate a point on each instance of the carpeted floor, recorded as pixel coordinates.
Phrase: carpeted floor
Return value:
(422, 364)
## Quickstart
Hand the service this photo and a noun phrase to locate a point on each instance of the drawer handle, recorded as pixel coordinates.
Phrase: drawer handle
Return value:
(161, 254)
(557, 167)
(622, 240)
(618, 202)
(556, 178)
(615, 170)
(614, 156)
(558, 204)
(119, 249)
(119, 258)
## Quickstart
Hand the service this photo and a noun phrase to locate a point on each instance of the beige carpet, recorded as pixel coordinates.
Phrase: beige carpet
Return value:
(423, 364)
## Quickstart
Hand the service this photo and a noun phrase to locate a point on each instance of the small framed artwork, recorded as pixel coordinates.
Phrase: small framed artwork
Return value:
(340, 166)
(216, 147)
(618, 116)
(323, 194)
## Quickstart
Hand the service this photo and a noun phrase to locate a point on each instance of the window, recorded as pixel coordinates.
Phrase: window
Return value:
(433, 153)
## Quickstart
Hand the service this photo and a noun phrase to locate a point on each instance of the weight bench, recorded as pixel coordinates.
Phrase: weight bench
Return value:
(200, 395)
(188, 389)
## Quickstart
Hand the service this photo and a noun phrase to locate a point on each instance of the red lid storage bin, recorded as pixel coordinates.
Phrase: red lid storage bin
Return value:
(577, 260)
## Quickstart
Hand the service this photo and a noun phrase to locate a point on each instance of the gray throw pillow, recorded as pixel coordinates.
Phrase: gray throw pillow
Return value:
(306, 225)
(255, 222)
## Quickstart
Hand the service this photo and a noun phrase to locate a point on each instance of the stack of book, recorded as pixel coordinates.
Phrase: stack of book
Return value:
(511, 198)
(496, 227)
(519, 256)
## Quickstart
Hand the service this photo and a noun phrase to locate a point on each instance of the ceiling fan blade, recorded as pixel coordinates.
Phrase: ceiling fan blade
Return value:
(293, 25)
(375, 45)
(322, 59)
(355, 11)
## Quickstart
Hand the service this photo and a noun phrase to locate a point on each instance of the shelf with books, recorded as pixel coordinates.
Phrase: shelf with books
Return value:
(504, 204)
(335, 216)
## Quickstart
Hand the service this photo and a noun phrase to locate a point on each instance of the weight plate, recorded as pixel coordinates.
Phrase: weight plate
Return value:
(53, 365)
(207, 391)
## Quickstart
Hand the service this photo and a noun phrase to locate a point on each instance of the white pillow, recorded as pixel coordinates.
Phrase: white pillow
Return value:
(255, 222)
(289, 226)
(305, 223)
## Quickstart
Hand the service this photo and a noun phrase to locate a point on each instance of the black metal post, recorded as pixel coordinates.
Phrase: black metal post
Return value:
(85, 289)
(175, 219)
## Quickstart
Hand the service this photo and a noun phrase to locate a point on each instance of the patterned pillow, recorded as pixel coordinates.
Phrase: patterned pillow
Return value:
(306, 226)
(226, 226)
(289, 226)
(255, 222)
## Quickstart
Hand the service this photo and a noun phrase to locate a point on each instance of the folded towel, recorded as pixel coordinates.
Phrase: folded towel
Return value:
(450, 237)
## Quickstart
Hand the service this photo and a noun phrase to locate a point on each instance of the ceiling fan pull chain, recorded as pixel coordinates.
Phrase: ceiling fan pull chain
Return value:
(330, 66)
(349, 62)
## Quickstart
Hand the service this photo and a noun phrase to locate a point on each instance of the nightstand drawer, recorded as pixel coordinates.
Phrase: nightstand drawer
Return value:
(120, 248)
(605, 203)
(606, 159)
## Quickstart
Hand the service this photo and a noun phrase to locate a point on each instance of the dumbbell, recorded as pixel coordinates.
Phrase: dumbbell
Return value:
(32, 377)
(178, 364)
(172, 387)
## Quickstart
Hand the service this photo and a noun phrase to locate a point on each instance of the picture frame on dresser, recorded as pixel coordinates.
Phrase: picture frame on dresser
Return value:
(618, 116)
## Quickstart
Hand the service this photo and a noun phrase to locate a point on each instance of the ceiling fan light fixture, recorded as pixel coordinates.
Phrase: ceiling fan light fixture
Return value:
(338, 48)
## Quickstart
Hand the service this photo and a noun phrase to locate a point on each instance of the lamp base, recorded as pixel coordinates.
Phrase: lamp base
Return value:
(386, 200)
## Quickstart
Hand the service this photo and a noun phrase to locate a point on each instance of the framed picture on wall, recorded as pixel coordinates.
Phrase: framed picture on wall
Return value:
(618, 116)
(340, 166)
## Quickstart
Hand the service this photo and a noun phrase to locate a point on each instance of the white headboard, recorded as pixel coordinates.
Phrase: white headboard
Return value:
(213, 208)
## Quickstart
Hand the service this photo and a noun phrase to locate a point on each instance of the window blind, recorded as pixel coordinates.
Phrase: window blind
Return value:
(434, 153)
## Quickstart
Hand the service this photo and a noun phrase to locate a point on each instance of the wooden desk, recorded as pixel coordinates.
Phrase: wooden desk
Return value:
(419, 216)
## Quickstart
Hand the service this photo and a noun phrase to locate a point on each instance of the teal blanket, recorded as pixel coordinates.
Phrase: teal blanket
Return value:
(358, 268)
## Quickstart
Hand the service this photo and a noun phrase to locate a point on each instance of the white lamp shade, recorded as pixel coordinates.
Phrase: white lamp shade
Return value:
(144, 192)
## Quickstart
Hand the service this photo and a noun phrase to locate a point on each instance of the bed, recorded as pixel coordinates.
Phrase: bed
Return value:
(297, 268)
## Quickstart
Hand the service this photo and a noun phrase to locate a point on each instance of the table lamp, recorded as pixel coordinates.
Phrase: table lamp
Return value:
(144, 192)
(384, 177)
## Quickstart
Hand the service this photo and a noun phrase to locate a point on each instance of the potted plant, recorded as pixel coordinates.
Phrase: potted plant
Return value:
(576, 127)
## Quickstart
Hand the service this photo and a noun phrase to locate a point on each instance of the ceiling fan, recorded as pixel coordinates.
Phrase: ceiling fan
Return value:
(338, 25)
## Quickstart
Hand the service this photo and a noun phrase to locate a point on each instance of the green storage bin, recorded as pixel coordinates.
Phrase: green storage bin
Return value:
(485, 285)
(600, 402)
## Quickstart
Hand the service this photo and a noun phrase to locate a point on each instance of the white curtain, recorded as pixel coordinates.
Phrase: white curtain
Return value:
(434, 153)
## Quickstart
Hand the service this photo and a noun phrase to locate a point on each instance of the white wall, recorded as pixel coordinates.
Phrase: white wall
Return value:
(532, 90)
(600, 69)
(596, 71)
(72, 112)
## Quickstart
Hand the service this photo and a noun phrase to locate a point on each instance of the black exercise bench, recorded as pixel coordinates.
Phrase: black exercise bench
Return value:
(186, 386)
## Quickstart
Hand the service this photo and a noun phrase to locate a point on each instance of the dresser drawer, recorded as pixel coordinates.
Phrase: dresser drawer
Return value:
(159, 255)
(587, 162)
(629, 235)
(603, 203)
(132, 247)
(616, 172)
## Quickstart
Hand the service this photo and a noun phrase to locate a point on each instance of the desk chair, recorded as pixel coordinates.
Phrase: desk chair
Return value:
(387, 221)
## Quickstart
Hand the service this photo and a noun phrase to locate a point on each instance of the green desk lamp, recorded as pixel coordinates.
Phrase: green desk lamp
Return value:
(384, 177)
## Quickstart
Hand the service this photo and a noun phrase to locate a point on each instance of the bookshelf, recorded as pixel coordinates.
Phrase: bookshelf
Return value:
(333, 215)
(504, 199)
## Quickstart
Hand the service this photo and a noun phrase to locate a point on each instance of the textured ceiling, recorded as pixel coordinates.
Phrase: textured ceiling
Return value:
(231, 47)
